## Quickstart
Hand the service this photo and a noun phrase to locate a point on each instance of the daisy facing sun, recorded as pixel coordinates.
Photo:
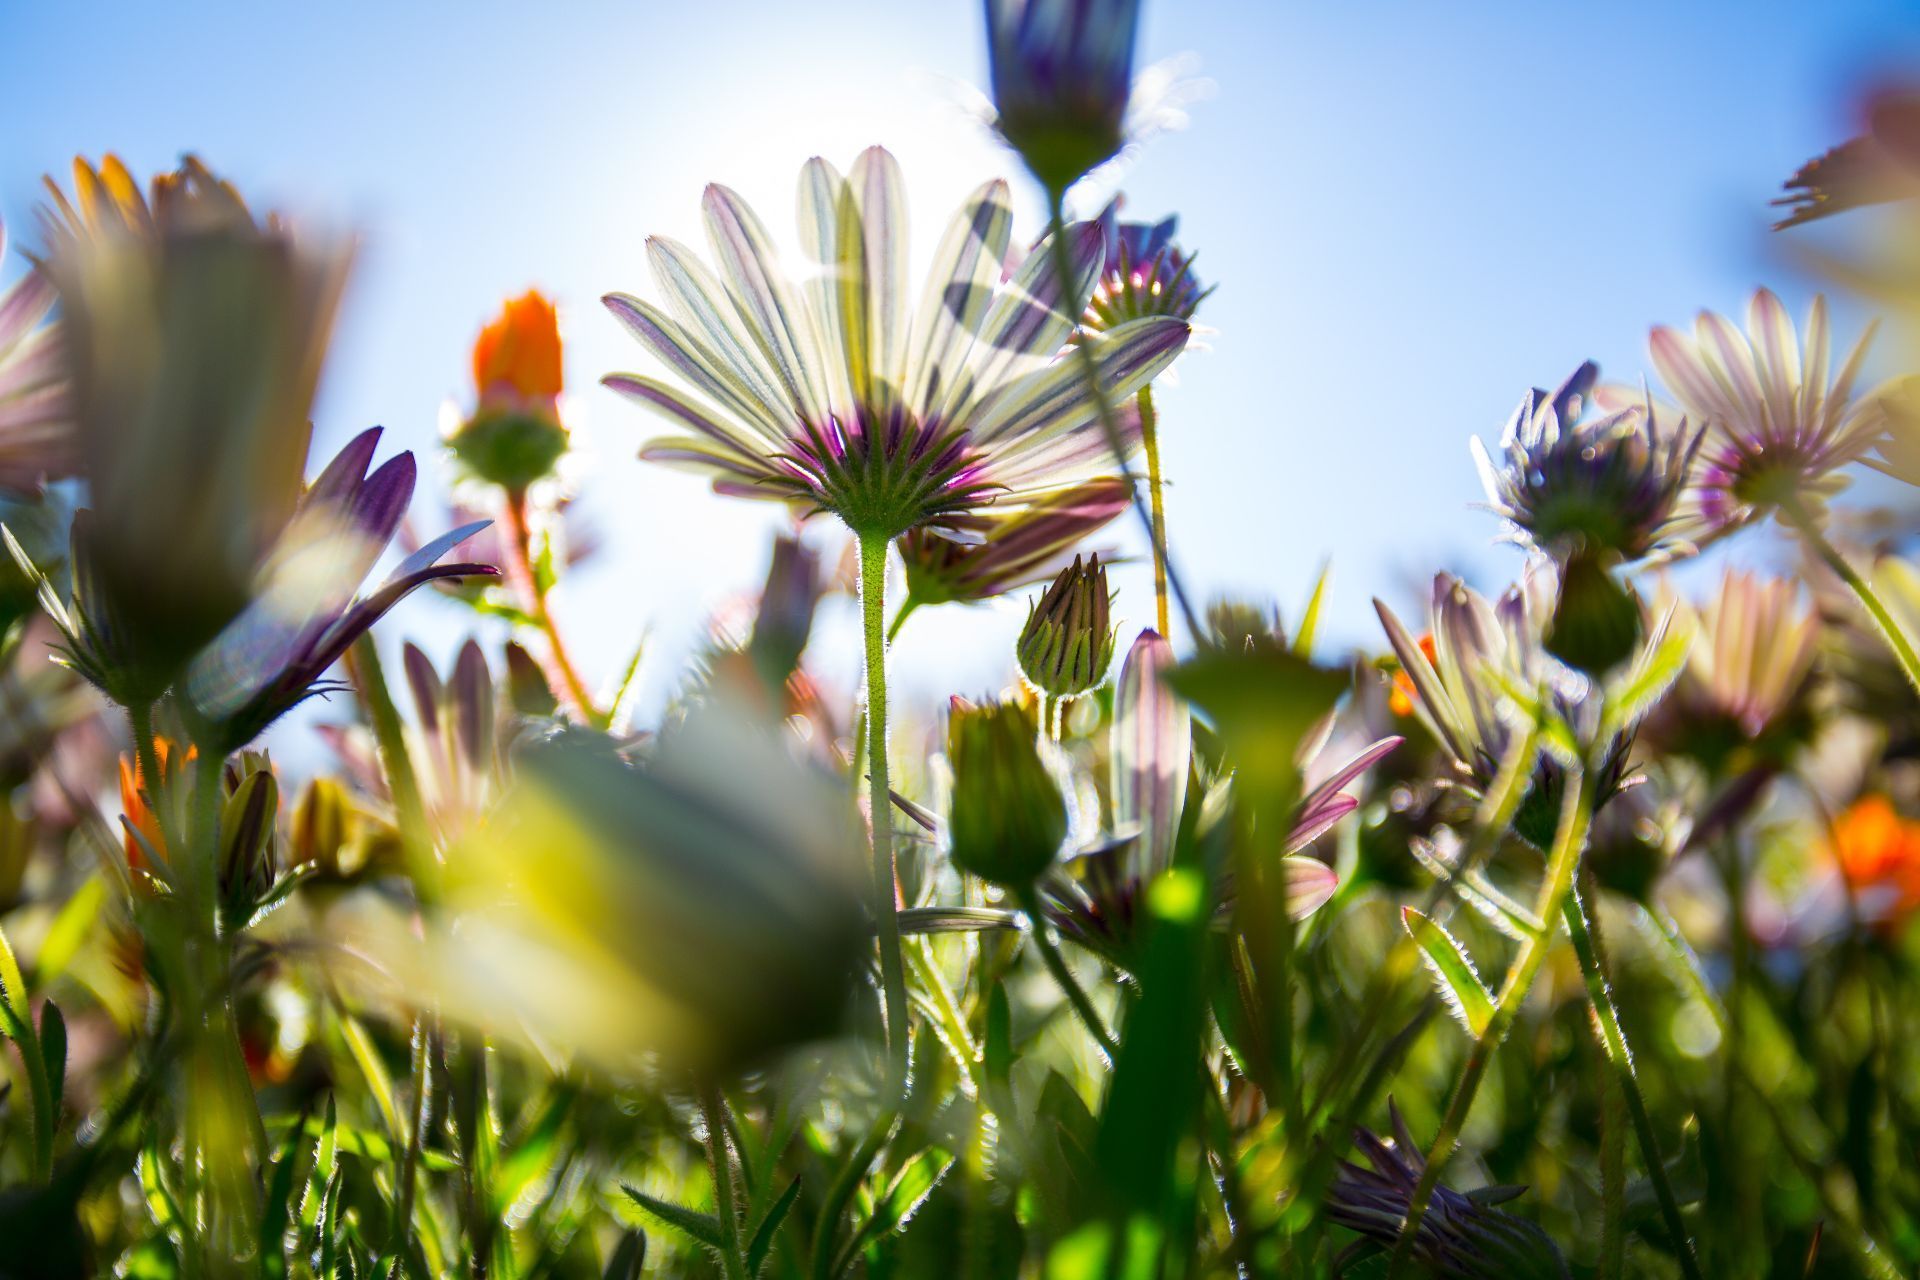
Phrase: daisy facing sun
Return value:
(838, 394)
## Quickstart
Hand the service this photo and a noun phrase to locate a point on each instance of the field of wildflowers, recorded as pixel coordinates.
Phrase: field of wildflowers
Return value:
(1564, 931)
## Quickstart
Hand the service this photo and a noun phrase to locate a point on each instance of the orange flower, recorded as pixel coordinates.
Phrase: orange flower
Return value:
(517, 357)
(135, 797)
(1879, 851)
(1403, 695)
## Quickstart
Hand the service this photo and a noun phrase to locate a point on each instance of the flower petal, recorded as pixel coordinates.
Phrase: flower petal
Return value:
(695, 361)
(766, 301)
(1055, 399)
(701, 304)
(1030, 318)
(1152, 753)
(960, 284)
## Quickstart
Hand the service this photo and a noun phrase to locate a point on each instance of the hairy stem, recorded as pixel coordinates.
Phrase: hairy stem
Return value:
(562, 675)
(1895, 636)
(1586, 946)
(726, 1197)
(1576, 814)
(1109, 420)
(1057, 966)
(893, 977)
(1150, 438)
(827, 1229)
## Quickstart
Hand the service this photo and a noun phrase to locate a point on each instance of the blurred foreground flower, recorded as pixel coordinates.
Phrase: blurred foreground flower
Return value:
(702, 905)
(1062, 73)
(832, 397)
(1881, 165)
(1095, 898)
(194, 336)
(36, 435)
(1462, 1236)
(514, 436)
(1878, 853)
(1778, 428)
(308, 611)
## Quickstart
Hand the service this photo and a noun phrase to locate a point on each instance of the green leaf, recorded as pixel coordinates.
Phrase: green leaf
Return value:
(533, 1150)
(366, 1055)
(327, 1226)
(13, 994)
(1310, 620)
(956, 920)
(53, 1052)
(278, 1209)
(1476, 891)
(997, 1053)
(1459, 983)
(701, 1228)
(1652, 672)
(762, 1242)
(629, 1257)
(70, 928)
(1264, 703)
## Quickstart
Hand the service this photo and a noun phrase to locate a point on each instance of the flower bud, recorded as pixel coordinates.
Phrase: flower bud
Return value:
(785, 617)
(1596, 622)
(1062, 73)
(515, 436)
(1008, 818)
(1067, 644)
(1144, 274)
(321, 832)
(247, 837)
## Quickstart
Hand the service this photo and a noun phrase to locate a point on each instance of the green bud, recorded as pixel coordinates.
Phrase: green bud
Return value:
(1008, 817)
(1067, 644)
(511, 448)
(246, 837)
(1596, 624)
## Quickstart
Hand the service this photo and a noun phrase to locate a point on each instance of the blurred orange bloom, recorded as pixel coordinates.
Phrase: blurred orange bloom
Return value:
(518, 355)
(1878, 850)
(1401, 699)
(135, 794)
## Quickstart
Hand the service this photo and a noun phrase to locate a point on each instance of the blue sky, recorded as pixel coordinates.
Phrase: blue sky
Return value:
(1414, 212)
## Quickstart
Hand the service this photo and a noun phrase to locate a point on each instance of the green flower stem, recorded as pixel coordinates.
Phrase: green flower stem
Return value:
(827, 1228)
(1109, 421)
(726, 1199)
(562, 674)
(893, 977)
(1492, 821)
(369, 679)
(900, 617)
(423, 1038)
(1057, 966)
(1896, 637)
(1586, 943)
(203, 822)
(1576, 816)
(1613, 1182)
(1150, 438)
(948, 1020)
